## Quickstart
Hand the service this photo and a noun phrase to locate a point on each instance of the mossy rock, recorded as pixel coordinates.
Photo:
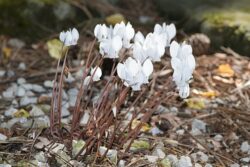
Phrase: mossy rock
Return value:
(37, 19)
(226, 22)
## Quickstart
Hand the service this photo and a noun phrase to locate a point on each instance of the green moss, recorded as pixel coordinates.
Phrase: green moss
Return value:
(229, 28)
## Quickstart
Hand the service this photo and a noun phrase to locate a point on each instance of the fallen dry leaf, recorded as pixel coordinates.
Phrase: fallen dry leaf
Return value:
(206, 94)
(115, 18)
(196, 103)
(225, 70)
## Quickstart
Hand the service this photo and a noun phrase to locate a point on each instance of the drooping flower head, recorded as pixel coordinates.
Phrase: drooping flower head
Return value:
(110, 44)
(110, 47)
(138, 52)
(154, 46)
(69, 37)
(101, 32)
(151, 47)
(133, 73)
(167, 32)
(126, 32)
(95, 73)
(183, 63)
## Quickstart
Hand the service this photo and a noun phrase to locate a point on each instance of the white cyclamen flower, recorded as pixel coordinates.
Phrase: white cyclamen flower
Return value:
(183, 63)
(167, 32)
(154, 46)
(69, 37)
(126, 32)
(133, 73)
(111, 46)
(95, 73)
(138, 52)
(101, 32)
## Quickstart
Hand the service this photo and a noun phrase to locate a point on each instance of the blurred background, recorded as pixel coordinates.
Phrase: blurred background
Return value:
(226, 22)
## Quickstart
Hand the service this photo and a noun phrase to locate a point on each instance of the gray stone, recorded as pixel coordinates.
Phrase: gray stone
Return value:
(20, 91)
(36, 111)
(21, 81)
(48, 84)
(37, 88)
(3, 137)
(27, 100)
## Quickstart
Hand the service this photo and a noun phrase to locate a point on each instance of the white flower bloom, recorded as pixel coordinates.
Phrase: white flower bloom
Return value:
(69, 37)
(110, 47)
(138, 51)
(183, 63)
(167, 32)
(96, 74)
(101, 32)
(126, 32)
(154, 46)
(133, 73)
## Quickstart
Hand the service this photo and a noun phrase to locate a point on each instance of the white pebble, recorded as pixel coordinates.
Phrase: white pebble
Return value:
(218, 137)
(27, 86)
(198, 125)
(235, 165)
(21, 81)
(2, 73)
(48, 84)
(2, 137)
(36, 111)
(199, 156)
(22, 66)
(20, 91)
(172, 158)
(151, 158)
(184, 161)
(180, 132)
(28, 100)
(38, 88)
(246, 159)
(244, 147)
(10, 112)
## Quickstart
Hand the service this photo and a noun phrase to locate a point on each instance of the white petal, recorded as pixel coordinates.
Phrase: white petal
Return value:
(75, 34)
(186, 49)
(158, 29)
(117, 43)
(130, 32)
(138, 52)
(96, 30)
(132, 66)
(171, 30)
(86, 81)
(121, 71)
(174, 49)
(98, 73)
(68, 39)
(62, 36)
(147, 67)
(184, 91)
(139, 37)
(136, 87)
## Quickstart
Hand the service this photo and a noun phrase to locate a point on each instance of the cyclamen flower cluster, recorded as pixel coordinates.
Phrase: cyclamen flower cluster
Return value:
(137, 69)
(145, 50)
(134, 71)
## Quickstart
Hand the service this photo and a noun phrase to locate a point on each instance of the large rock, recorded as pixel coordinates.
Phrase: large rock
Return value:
(37, 19)
(226, 22)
